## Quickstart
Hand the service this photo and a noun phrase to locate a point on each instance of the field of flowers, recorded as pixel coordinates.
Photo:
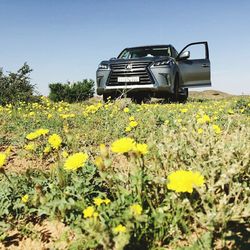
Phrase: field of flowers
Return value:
(125, 176)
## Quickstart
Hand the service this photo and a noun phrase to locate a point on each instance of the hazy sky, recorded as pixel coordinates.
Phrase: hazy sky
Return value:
(66, 39)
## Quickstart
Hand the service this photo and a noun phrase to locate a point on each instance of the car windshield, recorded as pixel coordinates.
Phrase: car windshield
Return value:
(145, 52)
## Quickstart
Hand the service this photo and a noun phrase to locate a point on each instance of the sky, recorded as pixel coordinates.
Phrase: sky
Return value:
(65, 40)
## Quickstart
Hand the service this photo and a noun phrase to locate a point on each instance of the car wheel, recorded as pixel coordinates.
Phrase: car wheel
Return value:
(107, 97)
(183, 96)
(139, 99)
(175, 96)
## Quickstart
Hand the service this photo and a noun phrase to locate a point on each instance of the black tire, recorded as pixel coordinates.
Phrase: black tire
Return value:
(175, 96)
(107, 97)
(141, 98)
(183, 96)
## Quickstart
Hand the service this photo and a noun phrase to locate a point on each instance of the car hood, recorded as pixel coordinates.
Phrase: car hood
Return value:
(143, 59)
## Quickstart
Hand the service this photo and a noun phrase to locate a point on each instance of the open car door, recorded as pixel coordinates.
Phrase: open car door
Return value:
(194, 71)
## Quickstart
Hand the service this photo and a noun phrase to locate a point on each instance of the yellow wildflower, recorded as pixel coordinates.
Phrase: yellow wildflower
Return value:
(184, 110)
(7, 151)
(37, 133)
(30, 147)
(200, 131)
(65, 154)
(99, 162)
(49, 116)
(166, 122)
(126, 110)
(25, 198)
(120, 229)
(47, 149)
(184, 181)
(203, 119)
(131, 118)
(89, 212)
(42, 131)
(141, 148)
(133, 124)
(55, 141)
(128, 129)
(103, 150)
(136, 209)
(32, 136)
(98, 201)
(3, 158)
(106, 201)
(123, 145)
(75, 161)
(216, 129)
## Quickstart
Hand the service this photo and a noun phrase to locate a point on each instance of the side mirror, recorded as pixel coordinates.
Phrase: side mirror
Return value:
(184, 55)
(112, 58)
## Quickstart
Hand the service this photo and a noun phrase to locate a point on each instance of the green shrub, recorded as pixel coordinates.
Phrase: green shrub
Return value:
(72, 92)
(16, 87)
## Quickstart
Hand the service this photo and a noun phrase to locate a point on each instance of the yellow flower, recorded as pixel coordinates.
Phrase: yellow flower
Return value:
(49, 116)
(32, 136)
(128, 129)
(103, 150)
(216, 129)
(7, 151)
(133, 124)
(47, 149)
(42, 131)
(55, 141)
(131, 118)
(3, 158)
(75, 161)
(30, 147)
(184, 181)
(166, 122)
(98, 201)
(136, 209)
(126, 110)
(89, 212)
(106, 201)
(141, 148)
(120, 229)
(65, 154)
(25, 198)
(184, 110)
(203, 119)
(37, 133)
(123, 145)
(99, 162)
(200, 131)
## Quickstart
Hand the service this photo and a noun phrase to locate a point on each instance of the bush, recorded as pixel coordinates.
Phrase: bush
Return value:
(72, 92)
(16, 87)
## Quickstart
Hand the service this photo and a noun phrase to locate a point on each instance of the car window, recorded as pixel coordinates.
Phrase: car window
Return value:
(197, 51)
(145, 52)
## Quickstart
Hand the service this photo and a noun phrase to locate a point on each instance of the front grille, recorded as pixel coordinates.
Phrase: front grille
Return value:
(136, 69)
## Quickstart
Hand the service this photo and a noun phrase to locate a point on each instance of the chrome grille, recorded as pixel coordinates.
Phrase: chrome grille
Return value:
(135, 69)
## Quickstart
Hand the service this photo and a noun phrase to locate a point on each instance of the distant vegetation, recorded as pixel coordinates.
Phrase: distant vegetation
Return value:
(16, 87)
(72, 91)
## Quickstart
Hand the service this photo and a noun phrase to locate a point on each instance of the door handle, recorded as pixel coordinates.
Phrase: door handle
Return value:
(204, 65)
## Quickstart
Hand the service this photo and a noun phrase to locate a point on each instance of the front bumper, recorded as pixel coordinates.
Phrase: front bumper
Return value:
(161, 82)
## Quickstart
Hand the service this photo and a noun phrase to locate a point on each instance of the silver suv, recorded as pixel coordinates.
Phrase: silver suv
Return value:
(153, 71)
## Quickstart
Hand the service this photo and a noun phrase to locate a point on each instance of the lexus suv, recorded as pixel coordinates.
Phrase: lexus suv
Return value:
(154, 71)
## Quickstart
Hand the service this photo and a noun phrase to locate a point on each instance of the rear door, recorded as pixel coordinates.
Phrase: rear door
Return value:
(195, 70)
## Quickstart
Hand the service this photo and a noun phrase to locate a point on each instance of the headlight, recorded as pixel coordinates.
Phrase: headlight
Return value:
(103, 66)
(161, 63)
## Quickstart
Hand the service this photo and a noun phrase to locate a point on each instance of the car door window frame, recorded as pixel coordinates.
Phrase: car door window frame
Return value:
(191, 44)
